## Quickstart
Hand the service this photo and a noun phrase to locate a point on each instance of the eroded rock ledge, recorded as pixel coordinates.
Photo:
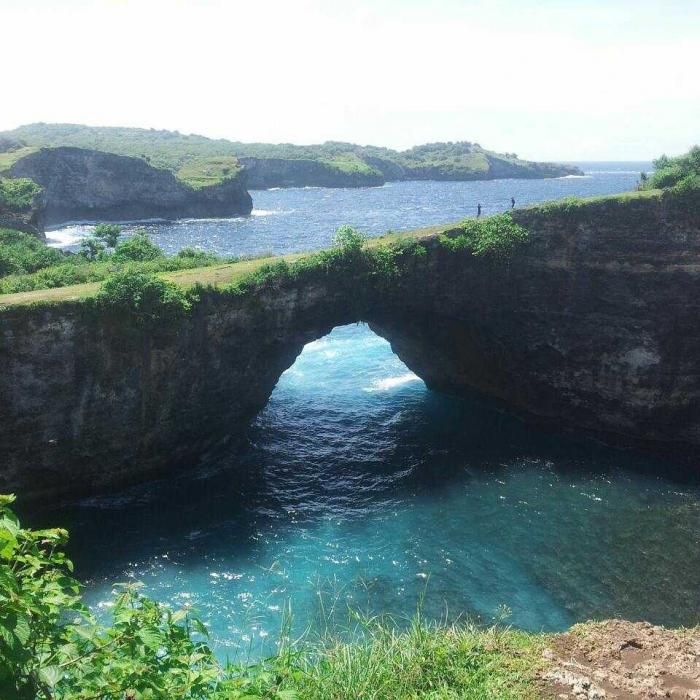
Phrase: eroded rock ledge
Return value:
(593, 324)
(619, 660)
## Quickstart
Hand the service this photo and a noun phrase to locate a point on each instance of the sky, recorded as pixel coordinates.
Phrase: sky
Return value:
(546, 79)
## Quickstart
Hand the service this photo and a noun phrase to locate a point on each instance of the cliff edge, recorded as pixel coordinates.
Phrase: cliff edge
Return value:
(85, 185)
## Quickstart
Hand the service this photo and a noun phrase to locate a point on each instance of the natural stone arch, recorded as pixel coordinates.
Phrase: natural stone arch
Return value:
(592, 325)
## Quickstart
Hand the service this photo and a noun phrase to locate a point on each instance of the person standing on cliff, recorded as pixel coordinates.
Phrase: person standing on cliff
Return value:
(512, 202)
(478, 210)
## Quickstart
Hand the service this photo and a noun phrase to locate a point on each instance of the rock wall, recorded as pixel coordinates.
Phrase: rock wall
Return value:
(85, 185)
(592, 324)
(262, 173)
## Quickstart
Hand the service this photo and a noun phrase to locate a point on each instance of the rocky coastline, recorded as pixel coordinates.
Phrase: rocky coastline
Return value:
(86, 185)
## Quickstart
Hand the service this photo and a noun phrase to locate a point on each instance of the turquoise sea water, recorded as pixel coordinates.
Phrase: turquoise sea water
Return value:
(360, 489)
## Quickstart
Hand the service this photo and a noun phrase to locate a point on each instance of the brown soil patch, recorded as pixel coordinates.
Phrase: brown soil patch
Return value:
(623, 661)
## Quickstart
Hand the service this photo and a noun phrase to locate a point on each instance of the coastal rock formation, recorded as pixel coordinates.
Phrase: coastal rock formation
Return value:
(86, 185)
(592, 324)
(329, 164)
(262, 173)
(620, 660)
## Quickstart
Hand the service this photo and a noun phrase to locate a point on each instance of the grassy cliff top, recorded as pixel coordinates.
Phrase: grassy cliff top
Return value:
(194, 158)
(58, 288)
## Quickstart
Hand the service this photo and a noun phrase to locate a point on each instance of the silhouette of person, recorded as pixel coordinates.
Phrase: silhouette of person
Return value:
(512, 202)
(478, 210)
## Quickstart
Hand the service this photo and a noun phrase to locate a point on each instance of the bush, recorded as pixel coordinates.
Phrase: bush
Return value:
(672, 171)
(91, 247)
(51, 646)
(144, 297)
(349, 239)
(108, 234)
(494, 235)
(18, 193)
(137, 248)
(23, 253)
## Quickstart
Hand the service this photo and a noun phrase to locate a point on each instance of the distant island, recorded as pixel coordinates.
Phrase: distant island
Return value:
(199, 161)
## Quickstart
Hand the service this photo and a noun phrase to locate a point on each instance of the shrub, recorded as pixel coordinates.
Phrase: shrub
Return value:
(494, 235)
(671, 171)
(137, 248)
(349, 239)
(22, 253)
(108, 234)
(144, 297)
(18, 193)
(51, 646)
(91, 247)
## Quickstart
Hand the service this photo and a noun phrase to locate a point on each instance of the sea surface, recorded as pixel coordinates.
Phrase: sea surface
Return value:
(360, 492)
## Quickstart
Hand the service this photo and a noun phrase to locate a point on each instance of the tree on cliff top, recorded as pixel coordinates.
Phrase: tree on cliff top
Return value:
(682, 171)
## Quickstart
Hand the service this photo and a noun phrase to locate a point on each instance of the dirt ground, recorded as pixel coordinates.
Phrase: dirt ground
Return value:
(622, 661)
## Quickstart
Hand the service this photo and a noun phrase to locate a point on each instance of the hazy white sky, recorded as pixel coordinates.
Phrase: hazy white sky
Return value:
(548, 79)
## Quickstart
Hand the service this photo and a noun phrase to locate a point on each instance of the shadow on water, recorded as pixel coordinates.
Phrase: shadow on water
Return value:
(361, 487)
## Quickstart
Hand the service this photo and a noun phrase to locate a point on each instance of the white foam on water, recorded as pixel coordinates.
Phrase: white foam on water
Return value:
(67, 236)
(270, 212)
(208, 220)
(393, 382)
(574, 177)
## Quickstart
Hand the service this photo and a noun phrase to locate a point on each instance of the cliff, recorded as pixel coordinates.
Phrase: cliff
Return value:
(329, 164)
(81, 184)
(591, 324)
(262, 173)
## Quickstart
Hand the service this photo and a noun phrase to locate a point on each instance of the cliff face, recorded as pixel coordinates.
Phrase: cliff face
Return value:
(262, 173)
(592, 324)
(80, 184)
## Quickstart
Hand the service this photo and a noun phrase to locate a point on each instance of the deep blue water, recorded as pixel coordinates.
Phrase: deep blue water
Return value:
(361, 489)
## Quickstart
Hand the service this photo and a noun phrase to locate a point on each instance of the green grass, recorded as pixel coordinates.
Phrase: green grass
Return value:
(9, 158)
(206, 171)
(422, 660)
(44, 286)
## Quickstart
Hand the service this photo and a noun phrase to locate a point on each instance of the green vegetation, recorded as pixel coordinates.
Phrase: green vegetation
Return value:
(143, 297)
(53, 648)
(22, 253)
(494, 235)
(18, 194)
(27, 264)
(681, 173)
(200, 161)
(205, 171)
(9, 157)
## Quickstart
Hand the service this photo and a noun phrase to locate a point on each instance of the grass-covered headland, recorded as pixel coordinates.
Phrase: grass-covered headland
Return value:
(53, 647)
(200, 161)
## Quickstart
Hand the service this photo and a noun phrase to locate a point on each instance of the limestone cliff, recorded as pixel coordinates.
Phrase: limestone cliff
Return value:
(592, 324)
(262, 173)
(81, 184)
